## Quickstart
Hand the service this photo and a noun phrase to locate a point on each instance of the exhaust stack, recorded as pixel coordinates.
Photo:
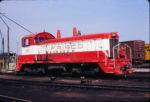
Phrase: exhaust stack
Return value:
(74, 31)
(58, 34)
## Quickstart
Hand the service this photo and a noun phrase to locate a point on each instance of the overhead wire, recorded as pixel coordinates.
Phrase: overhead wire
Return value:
(15, 23)
(4, 22)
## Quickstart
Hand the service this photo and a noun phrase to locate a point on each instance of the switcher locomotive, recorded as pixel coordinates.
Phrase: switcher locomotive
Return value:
(92, 53)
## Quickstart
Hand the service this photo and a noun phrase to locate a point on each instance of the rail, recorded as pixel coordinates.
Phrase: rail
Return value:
(76, 85)
(4, 98)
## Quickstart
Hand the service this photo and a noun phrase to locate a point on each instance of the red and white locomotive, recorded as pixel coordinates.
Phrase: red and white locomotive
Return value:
(94, 53)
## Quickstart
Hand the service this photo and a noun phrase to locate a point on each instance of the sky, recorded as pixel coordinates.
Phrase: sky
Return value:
(130, 18)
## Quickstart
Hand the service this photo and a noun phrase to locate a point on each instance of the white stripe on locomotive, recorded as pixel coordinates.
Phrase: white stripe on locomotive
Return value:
(73, 46)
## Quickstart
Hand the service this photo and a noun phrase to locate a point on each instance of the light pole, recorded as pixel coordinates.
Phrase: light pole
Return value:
(2, 38)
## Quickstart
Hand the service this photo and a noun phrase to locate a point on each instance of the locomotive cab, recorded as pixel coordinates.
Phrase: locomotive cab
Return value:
(35, 39)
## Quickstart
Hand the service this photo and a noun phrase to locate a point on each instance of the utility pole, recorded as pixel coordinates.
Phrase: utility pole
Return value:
(8, 42)
(149, 21)
(8, 45)
(2, 38)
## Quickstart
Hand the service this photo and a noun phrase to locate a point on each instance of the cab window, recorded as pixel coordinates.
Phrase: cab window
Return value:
(36, 40)
(26, 42)
(47, 38)
(41, 39)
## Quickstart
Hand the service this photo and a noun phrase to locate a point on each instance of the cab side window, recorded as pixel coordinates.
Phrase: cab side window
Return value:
(26, 42)
(41, 39)
(36, 40)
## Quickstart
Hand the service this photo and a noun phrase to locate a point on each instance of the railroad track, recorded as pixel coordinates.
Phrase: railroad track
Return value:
(134, 77)
(75, 85)
(4, 98)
